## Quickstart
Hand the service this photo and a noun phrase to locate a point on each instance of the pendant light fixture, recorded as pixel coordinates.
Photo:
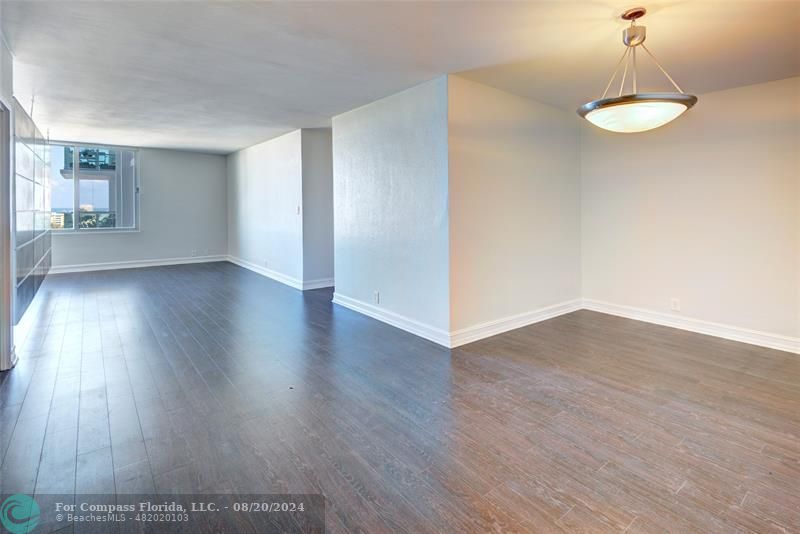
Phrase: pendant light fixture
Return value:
(635, 112)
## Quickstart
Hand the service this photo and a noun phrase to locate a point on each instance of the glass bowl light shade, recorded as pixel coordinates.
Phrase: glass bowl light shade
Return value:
(636, 112)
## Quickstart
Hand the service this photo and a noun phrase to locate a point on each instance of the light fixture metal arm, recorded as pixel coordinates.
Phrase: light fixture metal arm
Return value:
(624, 74)
(662, 69)
(616, 70)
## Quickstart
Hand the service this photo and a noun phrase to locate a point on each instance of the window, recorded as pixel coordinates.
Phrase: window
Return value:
(93, 187)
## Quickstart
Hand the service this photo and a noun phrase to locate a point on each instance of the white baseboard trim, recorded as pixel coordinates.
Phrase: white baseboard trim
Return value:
(269, 273)
(479, 331)
(733, 333)
(512, 322)
(458, 337)
(280, 277)
(132, 264)
(437, 335)
(498, 326)
(319, 283)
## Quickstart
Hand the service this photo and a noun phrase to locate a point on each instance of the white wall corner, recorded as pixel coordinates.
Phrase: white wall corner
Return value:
(431, 333)
(318, 283)
(678, 243)
(498, 326)
(263, 271)
(459, 337)
(290, 281)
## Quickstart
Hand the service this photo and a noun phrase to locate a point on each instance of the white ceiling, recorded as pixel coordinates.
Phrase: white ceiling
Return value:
(219, 76)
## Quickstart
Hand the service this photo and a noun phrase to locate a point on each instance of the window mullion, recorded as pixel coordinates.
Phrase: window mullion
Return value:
(76, 188)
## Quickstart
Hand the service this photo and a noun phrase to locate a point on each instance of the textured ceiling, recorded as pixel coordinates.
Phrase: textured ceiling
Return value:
(219, 76)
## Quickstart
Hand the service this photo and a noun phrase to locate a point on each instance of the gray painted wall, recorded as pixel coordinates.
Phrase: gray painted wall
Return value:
(280, 208)
(6, 74)
(265, 226)
(182, 209)
(390, 204)
(317, 204)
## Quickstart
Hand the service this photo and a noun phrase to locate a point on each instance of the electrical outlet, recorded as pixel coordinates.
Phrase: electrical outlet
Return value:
(377, 297)
(298, 210)
(194, 253)
(266, 263)
(675, 304)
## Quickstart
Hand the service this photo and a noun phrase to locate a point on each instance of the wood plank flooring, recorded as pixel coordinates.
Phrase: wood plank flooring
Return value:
(210, 378)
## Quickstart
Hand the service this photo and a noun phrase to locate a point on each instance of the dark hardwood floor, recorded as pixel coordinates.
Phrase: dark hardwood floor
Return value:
(210, 378)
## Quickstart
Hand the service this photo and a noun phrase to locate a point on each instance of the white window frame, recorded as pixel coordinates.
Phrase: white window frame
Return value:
(76, 229)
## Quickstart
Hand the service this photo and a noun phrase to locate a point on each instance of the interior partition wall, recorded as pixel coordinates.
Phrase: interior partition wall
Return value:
(32, 236)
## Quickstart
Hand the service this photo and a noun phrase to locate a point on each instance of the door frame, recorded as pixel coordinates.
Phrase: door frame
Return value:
(8, 357)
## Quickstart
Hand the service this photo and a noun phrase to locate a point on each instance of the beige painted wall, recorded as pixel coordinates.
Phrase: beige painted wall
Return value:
(514, 204)
(705, 209)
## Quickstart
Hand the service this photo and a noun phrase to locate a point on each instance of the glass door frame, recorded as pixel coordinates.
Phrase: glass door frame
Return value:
(8, 357)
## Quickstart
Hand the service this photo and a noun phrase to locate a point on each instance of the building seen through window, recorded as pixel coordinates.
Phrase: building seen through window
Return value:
(102, 192)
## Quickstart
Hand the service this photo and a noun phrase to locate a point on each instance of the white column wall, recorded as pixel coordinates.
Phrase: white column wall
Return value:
(391, 209)
(265, 195)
